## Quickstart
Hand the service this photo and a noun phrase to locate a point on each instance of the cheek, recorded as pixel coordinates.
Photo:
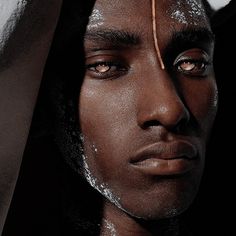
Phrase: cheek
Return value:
(106, 120)
(201, 97)
(107, 115)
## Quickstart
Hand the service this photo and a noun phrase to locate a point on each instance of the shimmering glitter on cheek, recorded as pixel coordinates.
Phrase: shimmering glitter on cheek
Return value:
(96, 19)
(187, 12)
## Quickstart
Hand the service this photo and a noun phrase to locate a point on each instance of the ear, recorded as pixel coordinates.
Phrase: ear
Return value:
(222, 10)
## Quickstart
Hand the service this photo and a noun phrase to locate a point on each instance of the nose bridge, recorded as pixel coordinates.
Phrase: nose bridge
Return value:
(161, 102)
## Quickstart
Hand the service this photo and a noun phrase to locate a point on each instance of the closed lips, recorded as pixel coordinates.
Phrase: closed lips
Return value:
(166, 158)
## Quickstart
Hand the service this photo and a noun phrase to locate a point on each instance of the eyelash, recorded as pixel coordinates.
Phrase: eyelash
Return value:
(111, 69)
(199, 67)
(119, 70)
(193, 63)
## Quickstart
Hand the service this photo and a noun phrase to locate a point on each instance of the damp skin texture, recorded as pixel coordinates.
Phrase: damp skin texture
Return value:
(127, 103)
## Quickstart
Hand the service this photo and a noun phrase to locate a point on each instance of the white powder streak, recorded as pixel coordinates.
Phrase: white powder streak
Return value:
(96, 19)
(102, 188)
(10, 13)
(111, 227)
(187, 12)
(180, 16)
(197, 8)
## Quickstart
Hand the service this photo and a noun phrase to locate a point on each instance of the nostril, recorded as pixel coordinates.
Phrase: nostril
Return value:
(175, 124)
(163, 107)
(150, 123)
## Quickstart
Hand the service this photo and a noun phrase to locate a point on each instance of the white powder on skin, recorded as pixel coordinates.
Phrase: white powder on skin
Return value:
(93, 181)
(187, 12)
(111, 227)
(100, 187)
(94, 148)
(197, 8)
(82, 139)
(96, 19)
(180, 16)
(216, 98)
(10, 13)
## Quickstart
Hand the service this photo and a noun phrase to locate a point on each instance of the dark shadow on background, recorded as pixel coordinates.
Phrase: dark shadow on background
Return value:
(211, 213)
(50, 198)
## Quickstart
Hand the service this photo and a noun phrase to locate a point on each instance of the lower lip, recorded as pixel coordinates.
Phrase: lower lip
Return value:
(162, 167)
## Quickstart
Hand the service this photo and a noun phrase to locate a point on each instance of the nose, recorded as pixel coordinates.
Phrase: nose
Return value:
(160, 104)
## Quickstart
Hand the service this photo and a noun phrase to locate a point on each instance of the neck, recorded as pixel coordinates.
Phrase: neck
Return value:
(118, 223)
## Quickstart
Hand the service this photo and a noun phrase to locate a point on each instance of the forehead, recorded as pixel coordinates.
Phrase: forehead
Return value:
(169, 13)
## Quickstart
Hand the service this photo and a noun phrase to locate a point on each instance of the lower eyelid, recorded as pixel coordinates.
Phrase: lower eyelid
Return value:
(196, 62)
(112, 73)
(196, 71)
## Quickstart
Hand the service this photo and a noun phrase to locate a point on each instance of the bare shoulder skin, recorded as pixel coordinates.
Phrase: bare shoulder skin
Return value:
(26, 30)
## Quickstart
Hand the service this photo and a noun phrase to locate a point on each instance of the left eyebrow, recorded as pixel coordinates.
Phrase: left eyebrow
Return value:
(193, 35)
(187, 38)
(115, 38)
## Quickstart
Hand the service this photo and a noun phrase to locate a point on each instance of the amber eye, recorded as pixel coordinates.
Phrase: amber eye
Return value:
(188, 66)
(106, 69)
(101, 68)
(193, 62)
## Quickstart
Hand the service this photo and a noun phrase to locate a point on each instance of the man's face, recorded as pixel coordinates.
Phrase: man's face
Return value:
(145, 128)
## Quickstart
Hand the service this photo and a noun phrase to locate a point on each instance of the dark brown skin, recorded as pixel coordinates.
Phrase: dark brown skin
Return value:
(128, 103)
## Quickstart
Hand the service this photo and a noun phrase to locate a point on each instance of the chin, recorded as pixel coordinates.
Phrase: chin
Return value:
(166, 202)
(159, 212)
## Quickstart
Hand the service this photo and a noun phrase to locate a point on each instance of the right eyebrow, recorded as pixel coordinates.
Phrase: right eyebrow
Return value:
(114, 38)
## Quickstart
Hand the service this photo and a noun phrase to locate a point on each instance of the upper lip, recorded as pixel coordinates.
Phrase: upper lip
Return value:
(177, 149)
